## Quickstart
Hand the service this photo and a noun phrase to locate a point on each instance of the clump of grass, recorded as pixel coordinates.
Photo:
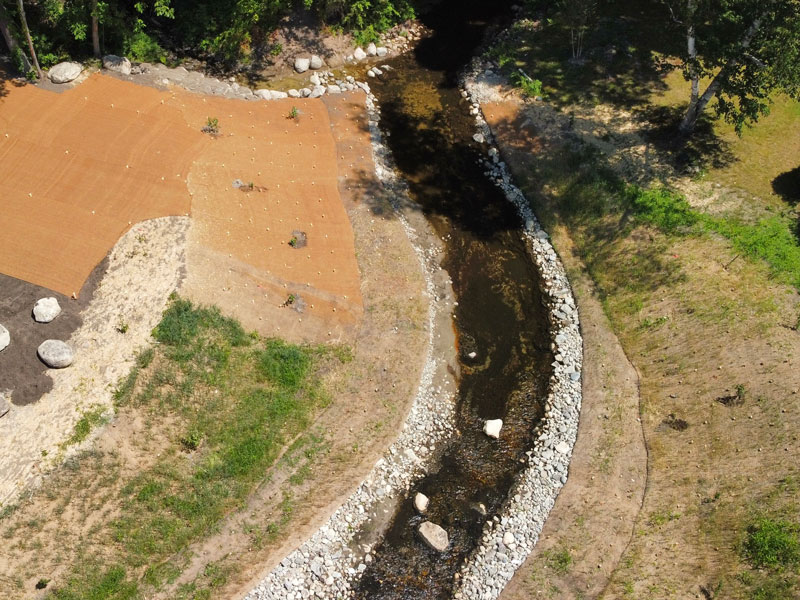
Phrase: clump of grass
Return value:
(88, 421)
(93, 582)
(532, 88)
(559, 560)
(772, 543)
(211, 126)
(293, 113)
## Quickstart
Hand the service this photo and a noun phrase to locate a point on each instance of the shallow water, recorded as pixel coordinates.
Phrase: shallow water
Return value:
(500, 316)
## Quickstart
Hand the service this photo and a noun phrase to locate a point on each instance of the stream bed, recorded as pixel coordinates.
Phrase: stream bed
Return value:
(500, 320)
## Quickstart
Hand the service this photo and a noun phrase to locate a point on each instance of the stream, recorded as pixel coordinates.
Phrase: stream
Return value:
(500, 320)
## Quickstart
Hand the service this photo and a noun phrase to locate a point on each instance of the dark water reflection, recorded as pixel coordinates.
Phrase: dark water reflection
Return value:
(500, 315)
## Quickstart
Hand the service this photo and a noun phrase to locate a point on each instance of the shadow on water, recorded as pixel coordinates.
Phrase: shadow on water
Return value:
(499, 317)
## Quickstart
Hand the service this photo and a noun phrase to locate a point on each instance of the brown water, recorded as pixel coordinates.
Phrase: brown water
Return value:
(500, 314)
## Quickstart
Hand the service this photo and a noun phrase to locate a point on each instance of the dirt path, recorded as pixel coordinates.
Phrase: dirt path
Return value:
(592, 520)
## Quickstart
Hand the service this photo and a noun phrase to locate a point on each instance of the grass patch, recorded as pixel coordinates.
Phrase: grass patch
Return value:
(772, 543)
(88, 421)
(228, 402)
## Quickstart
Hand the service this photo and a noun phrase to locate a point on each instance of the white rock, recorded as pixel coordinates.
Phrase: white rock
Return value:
(301, 65)
(472, 354)
(5, 405)
(562, 447)
(377, 71)
(421, 503)
(5, 338)
(434, 536)
(371, 73)
(305, 92)
(46, 309)
(314, 79)
(317, 91)
(371, 49)
(492, 428)
(120, 64)
(64, 72)
(381, 51)
(334, 89)
(55, 354)
(478, 137)
(276, 94)
(508, 538)
(316, 62)
(359, 54)
(264, 94)
(293, 93)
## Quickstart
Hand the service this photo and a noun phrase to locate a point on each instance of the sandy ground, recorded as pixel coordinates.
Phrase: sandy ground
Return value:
(371, 394)
(143, 269)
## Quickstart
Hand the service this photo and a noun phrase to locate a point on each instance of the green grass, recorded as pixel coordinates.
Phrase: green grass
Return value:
(772, 543)
(94, 582)
(88, 421)
(235, 400)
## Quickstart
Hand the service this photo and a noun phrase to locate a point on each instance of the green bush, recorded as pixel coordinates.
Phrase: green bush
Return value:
(772, 543)
(660, 207)
(142, 47)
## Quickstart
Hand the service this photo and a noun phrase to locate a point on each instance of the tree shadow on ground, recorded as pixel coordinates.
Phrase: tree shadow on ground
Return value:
(787, 186)
(703, 150)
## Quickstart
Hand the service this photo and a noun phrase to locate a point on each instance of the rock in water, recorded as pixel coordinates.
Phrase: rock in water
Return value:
(359, 54)
(120, 64)
(46, 309)
(55, 354)
(421, 503)
(316, 62)
(492, 428)
(64, 72)
(434, 536)
(301, 65)
(5, 338)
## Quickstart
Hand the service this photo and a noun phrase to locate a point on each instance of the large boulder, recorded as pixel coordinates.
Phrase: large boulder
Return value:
(5, 338)
(46, 309)
(55, 354)
(120, 64)
(315, 80)
(264, 94)
(381, 51)
(434, 536)
(492, 428)
(64, 72)
(372, 50)
(316, 62)
(359, 54)
(276, 94)
(318, 91)
(301, 65)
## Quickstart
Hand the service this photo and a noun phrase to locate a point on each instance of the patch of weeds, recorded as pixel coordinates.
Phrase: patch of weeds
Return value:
(559, 560)
(88, 421)
(93, 582)
(122, 326)
(735, 399)
(192, 440)
(293, 241)
(675, 423)
(772, 543)
(293, 113)
(276, 49)
(659, 518)
(532, 88)
(212, 126)
(157, 575)
(42, 583)
(648, 323)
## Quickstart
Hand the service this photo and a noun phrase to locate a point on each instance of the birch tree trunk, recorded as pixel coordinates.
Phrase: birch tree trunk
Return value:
(27, 32)
(696, 109)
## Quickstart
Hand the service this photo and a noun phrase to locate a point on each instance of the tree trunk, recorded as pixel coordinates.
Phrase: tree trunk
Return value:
(13, 48)
(696, 109)
(27, 32)
(95, 31)
(691, 44)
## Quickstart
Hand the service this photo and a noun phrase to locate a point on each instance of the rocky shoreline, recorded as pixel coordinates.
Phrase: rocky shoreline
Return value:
(510, 536)
(327, 564)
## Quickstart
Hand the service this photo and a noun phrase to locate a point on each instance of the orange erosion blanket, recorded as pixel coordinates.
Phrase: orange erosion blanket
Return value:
(79, 168)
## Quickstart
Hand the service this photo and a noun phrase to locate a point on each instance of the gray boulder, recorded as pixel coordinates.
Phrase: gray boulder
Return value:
(315, 80)
(264, 94)
(64, 72)
(46, 309)
(293, 93)
(277, 94)
(434, 536)
(334, 89)
(55, 354)
(372, 50)
(305, 92)
(5, 338)
(120, 64)
(317, 91)
(381, 51)
(359, 54)
(492, 428)
(421, 503)
(316, 62)
(301, 65)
